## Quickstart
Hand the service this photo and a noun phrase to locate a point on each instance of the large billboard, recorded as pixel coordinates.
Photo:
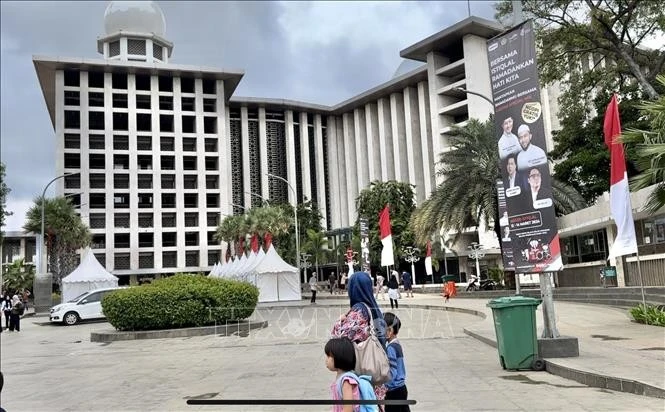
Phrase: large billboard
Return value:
(520, 132)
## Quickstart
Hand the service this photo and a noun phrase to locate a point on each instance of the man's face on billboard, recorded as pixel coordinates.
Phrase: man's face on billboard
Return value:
(511, 166)
(525, 139)
(535, 179)
(508, 125)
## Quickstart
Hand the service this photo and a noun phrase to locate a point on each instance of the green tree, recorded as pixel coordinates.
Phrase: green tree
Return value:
(400, 198)
(468, 195)
(309, 217)
(316, 245)
(649, 144)
(64, 233)
(18, 276)
(229, 229)
(570, 31)
(4, 191)
(581, 156)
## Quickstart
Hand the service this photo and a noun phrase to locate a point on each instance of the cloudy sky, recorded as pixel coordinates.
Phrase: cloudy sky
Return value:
(319, 52)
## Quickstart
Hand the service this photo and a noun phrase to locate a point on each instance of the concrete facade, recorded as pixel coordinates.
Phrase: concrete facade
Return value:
(152, 192)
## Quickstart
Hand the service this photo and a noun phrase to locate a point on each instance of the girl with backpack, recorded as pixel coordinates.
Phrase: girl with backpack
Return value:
(341, 358)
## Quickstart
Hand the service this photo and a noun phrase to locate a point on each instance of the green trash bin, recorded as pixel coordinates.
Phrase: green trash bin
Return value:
(448, 278)
(516, 335)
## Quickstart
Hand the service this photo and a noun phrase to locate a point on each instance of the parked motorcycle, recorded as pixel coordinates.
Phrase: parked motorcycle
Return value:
(485, 284)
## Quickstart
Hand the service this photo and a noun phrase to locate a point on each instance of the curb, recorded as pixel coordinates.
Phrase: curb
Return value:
(588, 378)
(222, 330)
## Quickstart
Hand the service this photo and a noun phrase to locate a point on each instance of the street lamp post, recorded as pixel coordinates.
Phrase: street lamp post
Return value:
(460, 89)
(295, 214)
(42, 262)
(259, 196)
(412, 257)
(477, 252)
(305, 264)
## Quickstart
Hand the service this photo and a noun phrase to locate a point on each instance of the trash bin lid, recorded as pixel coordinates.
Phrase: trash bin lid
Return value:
(510, 301)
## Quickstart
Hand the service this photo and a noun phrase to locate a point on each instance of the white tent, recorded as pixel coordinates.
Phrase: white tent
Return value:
(276, 279)
(214, 270)
(89, 275)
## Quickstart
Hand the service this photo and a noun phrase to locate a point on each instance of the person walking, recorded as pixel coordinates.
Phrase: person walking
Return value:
(379, 286)
(393, 292)
(342, 282)
(7, 309)
(332, 279)
(25, 297)
(408, 285)
(397, 386)
(313, 286)
(17, 312)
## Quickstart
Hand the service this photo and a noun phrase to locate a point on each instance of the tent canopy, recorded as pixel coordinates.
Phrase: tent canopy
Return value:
(89, 275)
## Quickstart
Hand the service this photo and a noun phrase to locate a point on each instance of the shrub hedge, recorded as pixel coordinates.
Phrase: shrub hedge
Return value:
(180, 301)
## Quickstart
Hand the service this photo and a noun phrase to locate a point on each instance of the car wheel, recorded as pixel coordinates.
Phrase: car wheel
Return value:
(70, 318)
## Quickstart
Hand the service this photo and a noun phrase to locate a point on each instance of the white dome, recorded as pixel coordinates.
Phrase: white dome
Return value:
(134, 16)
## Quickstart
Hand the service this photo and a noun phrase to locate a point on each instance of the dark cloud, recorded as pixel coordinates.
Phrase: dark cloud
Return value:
(282, 47)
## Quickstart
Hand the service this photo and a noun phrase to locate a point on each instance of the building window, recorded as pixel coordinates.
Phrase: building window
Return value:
(97, 200)
(121, 220)
(213, 255)
(96, 142)
(165, 84)
(136, 47)
(144, 143)
(144, 162)
(166, 122)
(168, 162)
(120, 121)
(212, 219)
(191, 200)
(189, 144)
(168, 220)
(190, 181)
(96, 99)
(143, 122)
(189, 162)
(210, 145)
(211, 163)
(97, 221)
(651, 231)
(210, 105)
(169, 239)
(120, 100)
(120, 142)
(72, 78)
(586, 247)
(145, 200)
(142, 82)
(72, 181)
(72, 98)
(192, 258)
(145, 239)
(72, 161)
(96, 161)
(188, 124)
(119, 81)
(120, 162)
(96, 80)
(146, 220)
(212, 182)
(98, 241)
(145, 181)
(209, 125)
(121, 181)
(168, 200)
(121, 201)
(72, 119)
(146, 260)
(143, 101)
(157, 51)
(72, 141)
(191, 238)
(97, 181)
(188, 104)
(96, 120)
(114, 48)
(209, 86)
(169, 259)
(166, 144)
(121, 261)
(212, 200)
(165, 102)
(168, 182)
(186, 85)
(191, 220)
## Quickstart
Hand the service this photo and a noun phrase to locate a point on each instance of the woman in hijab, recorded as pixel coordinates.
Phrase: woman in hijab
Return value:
(356, 322)
(15, 317)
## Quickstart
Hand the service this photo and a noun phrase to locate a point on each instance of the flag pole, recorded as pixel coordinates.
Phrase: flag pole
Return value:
(639, 272)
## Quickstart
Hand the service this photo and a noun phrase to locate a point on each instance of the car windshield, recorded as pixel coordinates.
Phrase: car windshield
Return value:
(77, 298)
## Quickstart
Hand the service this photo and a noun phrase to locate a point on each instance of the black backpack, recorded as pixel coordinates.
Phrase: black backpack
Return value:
(19, 309)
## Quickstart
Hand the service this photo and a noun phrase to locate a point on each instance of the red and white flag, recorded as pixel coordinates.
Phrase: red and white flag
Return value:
(428, 259)
(386, 236)
(620, 208)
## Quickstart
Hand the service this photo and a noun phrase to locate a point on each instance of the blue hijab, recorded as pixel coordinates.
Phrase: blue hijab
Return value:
(361, 291)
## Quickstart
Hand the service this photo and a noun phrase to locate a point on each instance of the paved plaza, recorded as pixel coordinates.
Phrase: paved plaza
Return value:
(57, 368)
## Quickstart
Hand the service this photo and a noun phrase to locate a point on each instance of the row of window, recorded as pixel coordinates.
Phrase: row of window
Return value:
(143, 142)
(146, 220)
(145, 200)
(143, 82)
(169, 239)
(142, 101)
(97, 121)
(121, 261)
(144, 181)
(143, 162)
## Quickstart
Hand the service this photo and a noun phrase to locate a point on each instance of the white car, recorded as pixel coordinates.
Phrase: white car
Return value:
(83, 307)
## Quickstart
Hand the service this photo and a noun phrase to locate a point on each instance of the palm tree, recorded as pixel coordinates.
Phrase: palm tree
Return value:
(64, 232)
(316, 245)
(468, 195)
(228, 229)
(650, 146)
